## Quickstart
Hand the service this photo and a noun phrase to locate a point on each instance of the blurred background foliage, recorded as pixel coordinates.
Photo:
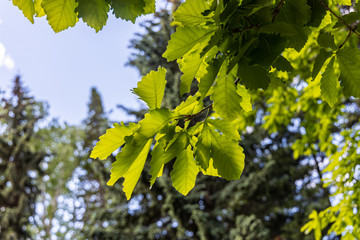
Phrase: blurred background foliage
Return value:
(50, 188)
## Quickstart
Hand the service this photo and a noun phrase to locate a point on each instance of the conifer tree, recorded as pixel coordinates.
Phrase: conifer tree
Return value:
(20, 161)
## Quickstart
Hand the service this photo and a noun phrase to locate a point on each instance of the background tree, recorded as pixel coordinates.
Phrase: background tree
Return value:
(20, 161)
(272, 199)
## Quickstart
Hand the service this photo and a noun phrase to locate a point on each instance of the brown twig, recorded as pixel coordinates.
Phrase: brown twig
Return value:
(351, 29)
(277, 10)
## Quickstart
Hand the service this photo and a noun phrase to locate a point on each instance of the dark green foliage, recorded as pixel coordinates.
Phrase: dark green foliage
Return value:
(20, 161)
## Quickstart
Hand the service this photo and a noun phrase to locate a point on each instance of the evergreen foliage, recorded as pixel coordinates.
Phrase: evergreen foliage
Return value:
(20, 161)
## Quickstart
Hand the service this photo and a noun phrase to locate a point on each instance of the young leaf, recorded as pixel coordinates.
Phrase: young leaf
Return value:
(190, 13)
(349, 61)
(208, 79)
(151, 88)
(193, 66)
(211, 171)
(60, 13)
(184, 39)
(162, 154)
(189, 106)
(112, 140)
(128, 10)
(153, 122)
(93, 12)
(228, 156)
(132, 151)
(184, 172)
(225, 127)
(245, 98)
(328, 85)
(27, 7)
(38, 9)
(226, 100)
(149, 6)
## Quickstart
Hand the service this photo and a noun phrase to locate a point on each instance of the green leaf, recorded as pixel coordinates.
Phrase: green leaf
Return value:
(112, 140)
(211, 171)
(27, 7)
(228, 156)
(185, 39)
(190, 13)
(124, 159)
(226, 127)
(149, 6)
(349, 62)
(38, 9)
(226, 100)
(342, 2)
(60, 13)
(190, 106)
(208, 79)
(93, 12)
(253, 77)
(326, 40)
(185, 170)
(193, 66)
(319, 62)
(153, 122)
(269, 48)
(162, 154)
(282, 64)
(245, 98)
(318, 12)
(329, 83)
(129, 164)
(295, 11)
(129, 10)
(151, 88)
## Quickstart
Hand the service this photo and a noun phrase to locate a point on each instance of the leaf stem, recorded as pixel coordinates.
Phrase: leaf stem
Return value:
(347, 37)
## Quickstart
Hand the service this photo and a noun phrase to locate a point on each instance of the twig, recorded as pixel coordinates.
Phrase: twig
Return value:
(347, 37)
(277, 10)
(351, 29)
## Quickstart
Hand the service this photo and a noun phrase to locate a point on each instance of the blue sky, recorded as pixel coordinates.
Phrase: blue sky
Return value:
(61, 68)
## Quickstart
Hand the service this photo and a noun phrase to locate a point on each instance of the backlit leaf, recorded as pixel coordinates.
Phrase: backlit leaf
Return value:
(349, 61)
(112, 140)
(184, 39)
(93, 12)
(190, 13)
(27, 7)
(226, 100)
(128, 10)
(184, 172)
(151, 88)
(60, 13)
(328, 85)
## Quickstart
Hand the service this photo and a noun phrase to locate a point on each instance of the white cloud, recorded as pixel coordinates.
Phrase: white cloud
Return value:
(5, 59)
